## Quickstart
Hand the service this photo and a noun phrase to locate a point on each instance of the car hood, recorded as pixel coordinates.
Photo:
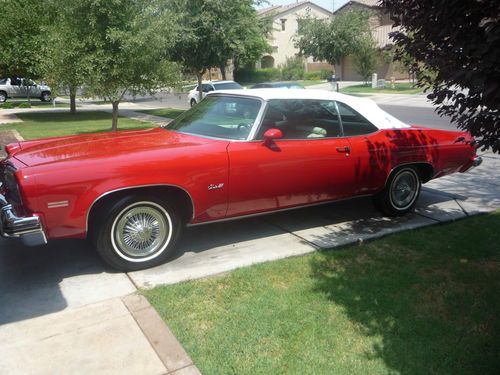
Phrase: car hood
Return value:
(97, 146)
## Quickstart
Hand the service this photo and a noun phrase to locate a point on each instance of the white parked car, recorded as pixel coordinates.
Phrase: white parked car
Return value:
(16, 87)
(209, 86)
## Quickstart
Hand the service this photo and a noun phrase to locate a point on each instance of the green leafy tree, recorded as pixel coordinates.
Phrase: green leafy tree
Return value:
(122, 45)
(457, 46)
(331, 39)
(241, 34)
(21, 37)
(366, 57)
(212, 32)
(68, 62)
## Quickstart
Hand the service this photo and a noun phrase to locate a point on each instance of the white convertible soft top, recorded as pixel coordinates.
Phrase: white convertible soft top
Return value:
(365, 107)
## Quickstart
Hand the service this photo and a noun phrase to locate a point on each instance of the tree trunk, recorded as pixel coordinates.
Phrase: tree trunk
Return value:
(222, 67)
(200, 92)
(72, 99)
(114, 121)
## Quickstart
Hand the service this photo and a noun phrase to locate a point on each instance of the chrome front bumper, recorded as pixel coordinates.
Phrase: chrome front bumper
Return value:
(29, 229)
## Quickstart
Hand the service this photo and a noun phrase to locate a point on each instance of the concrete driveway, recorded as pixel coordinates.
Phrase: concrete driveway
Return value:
(66, 274)
(62, 311)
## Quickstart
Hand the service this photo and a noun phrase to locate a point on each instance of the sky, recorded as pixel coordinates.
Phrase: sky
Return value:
(327, 4)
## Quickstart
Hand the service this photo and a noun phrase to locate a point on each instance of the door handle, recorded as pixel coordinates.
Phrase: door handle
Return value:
(345, 149)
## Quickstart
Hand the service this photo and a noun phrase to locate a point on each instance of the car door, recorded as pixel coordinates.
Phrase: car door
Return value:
(311, 163)
(370, 152)
(15, 88)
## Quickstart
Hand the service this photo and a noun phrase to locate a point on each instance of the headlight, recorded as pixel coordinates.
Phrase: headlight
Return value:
(11, 186)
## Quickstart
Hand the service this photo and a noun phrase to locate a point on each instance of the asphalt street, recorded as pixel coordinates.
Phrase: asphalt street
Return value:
(424, 116)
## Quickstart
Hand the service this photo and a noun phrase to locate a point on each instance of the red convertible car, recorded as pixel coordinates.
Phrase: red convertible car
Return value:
(235, 154)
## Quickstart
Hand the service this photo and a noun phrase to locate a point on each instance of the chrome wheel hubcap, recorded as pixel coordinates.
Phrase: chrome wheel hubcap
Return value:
(404, 189)
(141, 231)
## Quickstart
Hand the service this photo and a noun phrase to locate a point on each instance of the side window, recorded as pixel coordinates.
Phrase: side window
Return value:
(302, 119)
(353, 123)
(15, 81)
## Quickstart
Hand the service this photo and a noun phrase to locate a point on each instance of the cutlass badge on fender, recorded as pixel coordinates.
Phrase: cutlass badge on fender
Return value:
(215, 186)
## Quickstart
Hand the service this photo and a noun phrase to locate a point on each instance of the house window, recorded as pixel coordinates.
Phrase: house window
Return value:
(283, 20)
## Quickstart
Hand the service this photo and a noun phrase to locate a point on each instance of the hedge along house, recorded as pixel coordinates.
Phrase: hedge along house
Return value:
(381, 26)
(285, 23)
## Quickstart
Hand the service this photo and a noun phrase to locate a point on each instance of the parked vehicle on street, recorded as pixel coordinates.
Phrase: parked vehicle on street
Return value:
(16, 87)
(235, 154)
(278, 85)
(210, 86)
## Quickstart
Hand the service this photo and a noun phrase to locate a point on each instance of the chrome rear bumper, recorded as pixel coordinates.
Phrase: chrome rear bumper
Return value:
(29, 229)
(476, 162)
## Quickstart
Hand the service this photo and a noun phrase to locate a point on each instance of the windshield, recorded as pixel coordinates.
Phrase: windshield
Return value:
(227, 117)
(228, 86)
(3, 81)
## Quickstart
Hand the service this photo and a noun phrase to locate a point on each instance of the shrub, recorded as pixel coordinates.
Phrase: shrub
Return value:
(257, 75)
(325, 73)
(314, 76)
(24, 105)
(293, 69)
(7, 105)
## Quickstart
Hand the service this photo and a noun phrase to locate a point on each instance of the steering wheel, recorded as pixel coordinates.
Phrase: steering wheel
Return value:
(244, 127)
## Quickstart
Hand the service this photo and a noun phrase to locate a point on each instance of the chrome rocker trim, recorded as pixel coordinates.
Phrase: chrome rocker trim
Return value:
(29, 229)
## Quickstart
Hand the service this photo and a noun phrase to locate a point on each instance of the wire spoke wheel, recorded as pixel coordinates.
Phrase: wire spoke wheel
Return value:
(141, 231)
(404, 189)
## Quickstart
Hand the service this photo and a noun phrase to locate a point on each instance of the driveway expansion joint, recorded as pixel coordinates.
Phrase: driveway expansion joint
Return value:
(160, 337)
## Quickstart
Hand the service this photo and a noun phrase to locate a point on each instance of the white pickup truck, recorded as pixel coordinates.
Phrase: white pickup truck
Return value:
(23, 88)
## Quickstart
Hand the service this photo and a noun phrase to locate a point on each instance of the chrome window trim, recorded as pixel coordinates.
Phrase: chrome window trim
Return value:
(301, 139)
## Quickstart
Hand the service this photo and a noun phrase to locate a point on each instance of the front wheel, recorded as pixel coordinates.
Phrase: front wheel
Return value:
(400, 193)
(45, 96)
(193, 102)
(137, 233)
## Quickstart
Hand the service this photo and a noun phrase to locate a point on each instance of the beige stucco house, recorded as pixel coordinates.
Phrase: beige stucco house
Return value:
(381, 26)
(285, 22)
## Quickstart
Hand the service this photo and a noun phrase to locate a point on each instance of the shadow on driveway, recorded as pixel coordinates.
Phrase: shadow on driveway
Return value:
(32, 278)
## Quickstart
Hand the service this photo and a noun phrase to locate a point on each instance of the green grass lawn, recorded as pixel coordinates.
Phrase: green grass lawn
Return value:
(400, 88)
(164, 112)
(302, 82)
(37, 104)
(41, 125)
(420, 302)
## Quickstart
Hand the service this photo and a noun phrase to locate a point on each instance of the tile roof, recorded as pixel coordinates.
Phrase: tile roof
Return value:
(277, 9)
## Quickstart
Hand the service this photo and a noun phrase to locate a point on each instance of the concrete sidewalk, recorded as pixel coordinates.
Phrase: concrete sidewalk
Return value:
(62, 311)
(118, 336)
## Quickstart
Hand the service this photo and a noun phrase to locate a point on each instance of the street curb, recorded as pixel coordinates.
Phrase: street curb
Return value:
(161, 338)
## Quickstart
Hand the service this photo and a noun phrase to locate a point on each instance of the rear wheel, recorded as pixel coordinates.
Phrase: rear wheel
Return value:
(3, 97)
(137, 233)
(400, 193)
(193, 102)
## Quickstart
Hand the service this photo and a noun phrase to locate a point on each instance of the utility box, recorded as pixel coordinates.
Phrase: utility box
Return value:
(374, 80)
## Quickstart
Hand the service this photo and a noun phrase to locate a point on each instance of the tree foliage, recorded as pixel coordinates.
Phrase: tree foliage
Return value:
(330, 39)
(67, 63)
(21, 37)
(214, 31)
(366, 57)
(123, 44)
(457, 45)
